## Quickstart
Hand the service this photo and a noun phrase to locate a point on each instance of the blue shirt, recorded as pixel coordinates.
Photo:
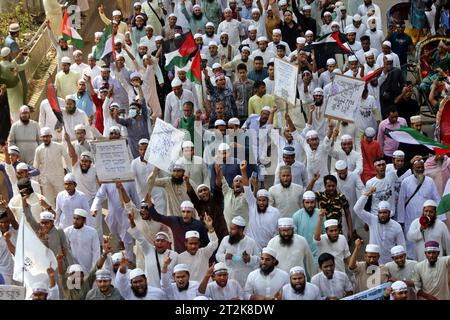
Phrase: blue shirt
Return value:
(85, 103)
(305, 225)
(258, 75)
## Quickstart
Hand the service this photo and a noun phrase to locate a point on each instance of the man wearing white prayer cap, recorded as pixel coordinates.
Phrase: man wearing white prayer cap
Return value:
(299, 288)
(195, 168)
(264, 282)
(222, 288)
(183, 288)
(346, 151)
(399, 290)
(175, 100)
(325, 77)
(103, 290)
(383, 231)
(134, 285)
(402, 269)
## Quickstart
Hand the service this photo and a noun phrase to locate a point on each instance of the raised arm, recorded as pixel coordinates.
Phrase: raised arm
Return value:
(318, 231)
(354, 256)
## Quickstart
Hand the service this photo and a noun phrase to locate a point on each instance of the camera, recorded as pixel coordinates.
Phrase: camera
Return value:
(25, 187)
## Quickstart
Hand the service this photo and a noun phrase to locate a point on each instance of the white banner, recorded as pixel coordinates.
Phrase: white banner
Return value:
(375, 293)
(12, 293)
(112, 160)
(285, 86)
(165, 145)
(344, 98)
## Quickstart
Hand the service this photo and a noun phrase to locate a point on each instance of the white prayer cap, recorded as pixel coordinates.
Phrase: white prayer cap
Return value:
(234, 121)
(245, 48)
(356, 17)
(309, 195)
(46, 131)
(289, 151)
(66, 60)
(216, 65)
(342, 8)
(143, 141)
(223, 147)
(430, 203)
(14, 149)
(269, 8)
(339, 3)
(80, 212)
(312, 134)
(203, 56)
(98, 34)
(162, 236)
(252, 28)
(262, 38)
(399, 286)
(22, 166)
(75, 268)
(5, 52)
(301, 40)
(307, 7)
(24, 108)
(45, 215)
(368, 53)
(285, 223)
(398, 154)
(181, 267)
(346, 137)
(387, 43)
(198, 35)
(389, 57)
(187, 144)
(86, 155)
(135, 75)
(224, 33)
(330, 223)
(114, 129)
(255, 10)
(70, 177)
(173, 15)
(187, 205)
(178, 166)
(309, 33)
(212, 44)
(14, 27)
(116, 257)
(79, 127)
(334, 23)
(296, 270)
(397, 251)
(105, 68)
(282, 2)
(137, 4)
(77, 52)
(384, 205)
(352, 58)
(192, 234)
(136, 273)
(370, 132)
(318, 92)
(116, 13)
(71, 97)
(415, 119)
(176, 83)
(350, 29)
(103, 274)
(276, 31)
(372, 21)
(196, 6)
(227, 9)
(327, 13)
(262, 193)
(39, 287)
(209, 24)
(220, 267)
(269, 251)
(373, 248)
(200, 186)
(266, 108)
(159, 38)
(340, 165)
(237, 177)
(239, 221)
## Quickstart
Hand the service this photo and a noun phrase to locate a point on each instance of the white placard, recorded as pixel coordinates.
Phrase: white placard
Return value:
(112, 160)
(12, 293)
(375, 293)
(344, 98)
(285, 86)
(165, 145)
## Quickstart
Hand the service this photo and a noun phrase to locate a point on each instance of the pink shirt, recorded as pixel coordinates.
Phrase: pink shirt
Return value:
(387, 144)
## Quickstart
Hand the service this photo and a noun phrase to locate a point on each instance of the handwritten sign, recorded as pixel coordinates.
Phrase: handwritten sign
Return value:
(344, 98)
(285, 86)
(375, 293)
(12, 293)
(112, 160)
(165, 145)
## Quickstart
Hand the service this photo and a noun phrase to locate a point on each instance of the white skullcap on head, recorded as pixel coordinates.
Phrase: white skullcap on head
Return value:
(187, 144)
(71, 97)
(216, 65)
(24, 108)
(330, 223)
(245, 48)
(14, 149)
(342, 7)
(159, 38)
(368, 53)
(136, 273)
(307, 7)
(430, 203)
(374, 248)
(39, 287)
(309, 33)
(116, 13)
(181, 267)
(370, 132)
(334, 23)
(285, 223)
(102, 274)
(301, 40)
(346, 137)
(75, 268)
(79, 127)
(196, 6)
(220, 267)
(331, 61)
(269, 251)
(77, 52)
(311, 134)
(262, 193)
(192, 234)
(209, 24)
(200, 186)
(266, 108)
(234, 121)
(66, 60)
(224, 33)
(116, 257)
(309, 195)
(415, 119)
(340, 165)
(352, 58)
(356, 17)
(338, 3)
(135, 75)
(143, 141)
(398, 154)
(262, 38)
(212, 44)
(296, 270)
(176, 83)
(173, 15)
(276, 31)
(98, 34)
(239, 221)
(5, 52)
(227, 9)
(22, 166)
(187, 205)
(70, 177)
(223, 147)
(237, 177)
(282, 2)
(252, 28)
(327, 13)
(318, 92)
(162, 236)
(256, 10)
(389, 57)
(387, 43)
(384, 205)
(80, 212)
(397, 251)
(46, 131)
(198, 35)
(114, 129)
(137, 4)
(399, 286)
(45, 215)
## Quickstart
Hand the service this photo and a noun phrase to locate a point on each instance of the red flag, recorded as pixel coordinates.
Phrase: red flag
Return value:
(372, 74)
(113, 49)
(440, 151)
(336, 37)
(53, 101)
(195, 73)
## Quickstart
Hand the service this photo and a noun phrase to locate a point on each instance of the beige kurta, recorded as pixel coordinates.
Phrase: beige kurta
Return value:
(54, 14)
(66, 83)
(175, 194)
(365, 279)
(26, 137)
(15, 95)
(433, 280)
(234, 205)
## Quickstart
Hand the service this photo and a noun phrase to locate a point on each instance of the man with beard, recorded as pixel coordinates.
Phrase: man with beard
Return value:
(331, 242)
(263, 218)
(292, 249)
(25, 135)
(251, 41)
(286, 195)
(298, 169)
(225, 50)
(63, 50)
(138, 31)
(359, 27)
(183, 288)
(238, 251)
(347, 153)
(383, 230)
(234, 202)
(333, 285)
(197, 20)
(427, 227)
(299, 288)
(368, 273)
(431, 275)
(196, 169)
(366, 48)
(104, 290)
(210, 35)
(116, 90)
(175, 99)
(414, 191)
(391, 84)
(264, 52)
(85, 172)
(232, 27)
(15, 173)
(83, 240)
(135, 286)
(81, 144)
(66, 79)
(74, 116)
(221, 288)
(174, 186)
(402, 269)
(265, 282)
(229, 165)
(287, 140)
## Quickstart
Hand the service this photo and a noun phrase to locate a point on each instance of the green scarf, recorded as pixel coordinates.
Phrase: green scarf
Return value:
(188, 124)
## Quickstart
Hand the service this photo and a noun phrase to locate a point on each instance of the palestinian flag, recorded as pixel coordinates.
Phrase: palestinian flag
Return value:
(105, 46)
(444, 205)
(195, 71)
(372, 74)
(69, 32)
(412, 136)
(54, 104)
(324, 50)
(179, 51)
(339, 38)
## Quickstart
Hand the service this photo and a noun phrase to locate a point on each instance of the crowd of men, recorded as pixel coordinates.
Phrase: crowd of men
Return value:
(266, 201)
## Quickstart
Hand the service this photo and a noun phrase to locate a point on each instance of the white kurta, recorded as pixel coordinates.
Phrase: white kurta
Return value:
(338, 249)
(233, 28)
(232, 290)
(351, 187)
(26, 137)
(259, 284)
(404, 273)
(174, 105)
(15, 204)
(71, 120)
(196, 170)
(297, 254)
(172, 291)
(311, 292)
(47, 117)
(334, 287)
(286, 200)
(84, 245)
(298, 173)
(6, 258)
(385, 191)
(86, 182)
(353, 159)
(49, 161)
(438, 232)
(11, 172)
(65, 206)
(123, 285)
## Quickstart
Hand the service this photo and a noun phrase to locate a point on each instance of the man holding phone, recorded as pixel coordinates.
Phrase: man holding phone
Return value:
(406, 105)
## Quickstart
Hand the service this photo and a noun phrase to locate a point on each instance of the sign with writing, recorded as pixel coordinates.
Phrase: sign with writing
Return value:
(12, 293)
(344, 98)
(375, 293)
(285, 86)
(165, 145)
(112, 160)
